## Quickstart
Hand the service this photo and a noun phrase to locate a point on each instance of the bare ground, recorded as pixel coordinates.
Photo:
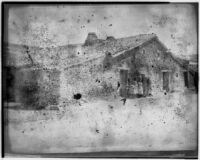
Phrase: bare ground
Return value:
(168, 122)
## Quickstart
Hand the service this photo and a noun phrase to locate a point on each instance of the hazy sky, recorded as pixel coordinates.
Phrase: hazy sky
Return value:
(52, 25)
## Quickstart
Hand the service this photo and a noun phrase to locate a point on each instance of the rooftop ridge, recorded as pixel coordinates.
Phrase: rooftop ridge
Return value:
(75, 44)
(134, 36)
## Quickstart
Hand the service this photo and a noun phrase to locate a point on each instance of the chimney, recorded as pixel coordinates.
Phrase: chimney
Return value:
(91, 39)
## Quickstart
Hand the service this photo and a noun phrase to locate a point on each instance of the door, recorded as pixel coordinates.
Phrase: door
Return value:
(186, 79)
(123, 81)
(10, 84)
(166, 81)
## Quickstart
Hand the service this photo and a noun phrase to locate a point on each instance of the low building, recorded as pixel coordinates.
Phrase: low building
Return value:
(25, 82)
(151, 61)
(96, 70)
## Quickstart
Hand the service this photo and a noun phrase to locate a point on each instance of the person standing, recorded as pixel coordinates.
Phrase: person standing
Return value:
(135, 88)
(118, 89)
(140, 88)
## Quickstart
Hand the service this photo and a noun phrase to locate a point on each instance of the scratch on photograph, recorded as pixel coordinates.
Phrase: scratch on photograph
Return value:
(100, 78)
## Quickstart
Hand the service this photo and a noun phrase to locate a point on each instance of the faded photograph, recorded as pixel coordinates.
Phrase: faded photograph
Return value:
(101, 78)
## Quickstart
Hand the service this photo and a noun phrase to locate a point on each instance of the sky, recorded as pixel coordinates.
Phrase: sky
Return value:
(57, 25)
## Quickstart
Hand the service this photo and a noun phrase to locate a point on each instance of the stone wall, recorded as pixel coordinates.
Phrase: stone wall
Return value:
(151, 60)
(92, 80)
(36, 87)
(88, 79)
(158, 60)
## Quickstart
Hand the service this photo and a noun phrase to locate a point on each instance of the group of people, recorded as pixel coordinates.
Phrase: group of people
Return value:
(139, 87)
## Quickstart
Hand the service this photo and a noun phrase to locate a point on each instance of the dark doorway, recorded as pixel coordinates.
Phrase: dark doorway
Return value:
(166, 81)
(186, 79)
(196, 81)
(9, 86)
(123, 82)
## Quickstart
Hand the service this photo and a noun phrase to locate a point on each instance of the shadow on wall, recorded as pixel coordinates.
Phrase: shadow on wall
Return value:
(34, 88)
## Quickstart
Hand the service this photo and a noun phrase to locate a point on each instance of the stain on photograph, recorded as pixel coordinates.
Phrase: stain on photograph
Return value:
(97, 77)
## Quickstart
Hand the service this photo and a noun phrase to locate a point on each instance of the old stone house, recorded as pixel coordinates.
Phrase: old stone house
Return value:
(94, 69)
(139, 56)
(152, 61)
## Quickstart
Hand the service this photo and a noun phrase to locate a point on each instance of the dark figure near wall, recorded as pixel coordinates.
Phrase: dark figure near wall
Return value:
(118, 85)
(124, 100)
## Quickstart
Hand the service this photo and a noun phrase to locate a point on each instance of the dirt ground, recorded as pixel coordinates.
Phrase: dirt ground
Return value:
(168, 122)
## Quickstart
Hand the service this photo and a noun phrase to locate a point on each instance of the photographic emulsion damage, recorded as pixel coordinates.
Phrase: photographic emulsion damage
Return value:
(100, 79)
